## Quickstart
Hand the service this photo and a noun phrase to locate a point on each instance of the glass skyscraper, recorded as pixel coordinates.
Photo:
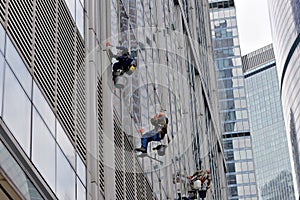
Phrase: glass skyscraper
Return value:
(233, 104)
(269, 139)
(285, 28)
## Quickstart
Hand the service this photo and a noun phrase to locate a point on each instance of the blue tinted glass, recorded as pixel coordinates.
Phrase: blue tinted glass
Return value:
(16, 63)
(17, 110)
(65, 177)
(43, 149)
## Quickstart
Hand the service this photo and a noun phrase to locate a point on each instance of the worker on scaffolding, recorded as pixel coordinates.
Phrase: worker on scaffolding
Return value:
(160, 123)
(125, 63)
(201, 181)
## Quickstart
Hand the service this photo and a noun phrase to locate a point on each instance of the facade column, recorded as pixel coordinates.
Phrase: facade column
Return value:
(97, 30)
(104, 23)
(91, 130)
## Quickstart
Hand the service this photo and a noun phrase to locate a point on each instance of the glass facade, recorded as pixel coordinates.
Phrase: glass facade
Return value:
(17, 176)
(33, 125)
(233, 104)
(285, 27)
(43, 96)
(168, 78)
(76, 8)
(270, 146)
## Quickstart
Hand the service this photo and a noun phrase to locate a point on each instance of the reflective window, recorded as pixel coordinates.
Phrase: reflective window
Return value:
(65, 144)
(16, 63)
(1, 81)
(231, 167)
(2, 38)
(246, 178)
(233, 191)
(231, 179)
(65, 178)
(43, 149)
(81, 192)
(71, 6)
(81, 169)
(43, 108)
(11, 168)
(79, 17)
(17, 110)
(252, 177)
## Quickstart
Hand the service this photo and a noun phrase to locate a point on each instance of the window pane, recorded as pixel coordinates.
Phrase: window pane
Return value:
(43, 149)
(71, 6)
(81, 169)
(16, 63)
(16, 110)
(2, 38)
(80, 191)
(65, 178)
(1, 81)
(65, 144)
(79, 17)
(43, 108)
(11, 168)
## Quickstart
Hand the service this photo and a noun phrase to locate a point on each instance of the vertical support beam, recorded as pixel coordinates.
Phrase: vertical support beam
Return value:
(97, 30)
(109, 163)
(91, 102)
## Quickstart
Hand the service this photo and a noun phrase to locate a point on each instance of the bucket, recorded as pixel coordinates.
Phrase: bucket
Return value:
(120, 82)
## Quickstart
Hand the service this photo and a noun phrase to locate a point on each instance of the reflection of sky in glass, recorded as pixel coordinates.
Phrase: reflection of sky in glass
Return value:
(65, 178)
(2, 38)
(16, 63)
(71, 6)
(65, 144)
(81, 192)
(17, 110)
(43, 108)
(79, 17)
(43, 149)
(80, 169)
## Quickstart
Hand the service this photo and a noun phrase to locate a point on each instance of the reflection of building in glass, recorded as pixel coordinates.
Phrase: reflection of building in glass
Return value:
(68, 134)
(233, 105)
(278, 187)
(285, 26)
(295, 146)
(269, 139)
